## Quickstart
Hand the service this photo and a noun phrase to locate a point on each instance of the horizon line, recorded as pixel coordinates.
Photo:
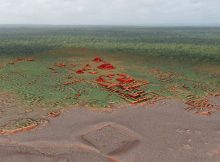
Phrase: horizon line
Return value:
(112, 25)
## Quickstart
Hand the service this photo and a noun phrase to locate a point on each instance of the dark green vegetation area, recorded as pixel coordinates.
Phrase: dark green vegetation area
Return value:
(42, 68)
(195, 44)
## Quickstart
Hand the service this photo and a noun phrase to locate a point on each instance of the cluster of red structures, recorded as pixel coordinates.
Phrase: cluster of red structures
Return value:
(201, 106)
(122, 84)
(104, 66)
(109, 80)
(127, 87)
(97, 59)
(17, 60)
(87, 67)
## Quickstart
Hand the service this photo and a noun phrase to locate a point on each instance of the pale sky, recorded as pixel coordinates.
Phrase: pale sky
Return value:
(111, 12)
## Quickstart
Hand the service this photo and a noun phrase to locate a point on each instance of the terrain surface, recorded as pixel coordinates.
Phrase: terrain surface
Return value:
(161, 132)
(38, 86)
(109, 94)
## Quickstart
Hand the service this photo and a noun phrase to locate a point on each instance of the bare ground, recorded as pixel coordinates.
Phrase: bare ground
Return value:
(162, 132)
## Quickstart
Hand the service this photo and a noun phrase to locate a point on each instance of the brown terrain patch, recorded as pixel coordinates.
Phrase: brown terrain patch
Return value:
(15, 116)
(110, 138)
(49, 152)
(168, 133)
